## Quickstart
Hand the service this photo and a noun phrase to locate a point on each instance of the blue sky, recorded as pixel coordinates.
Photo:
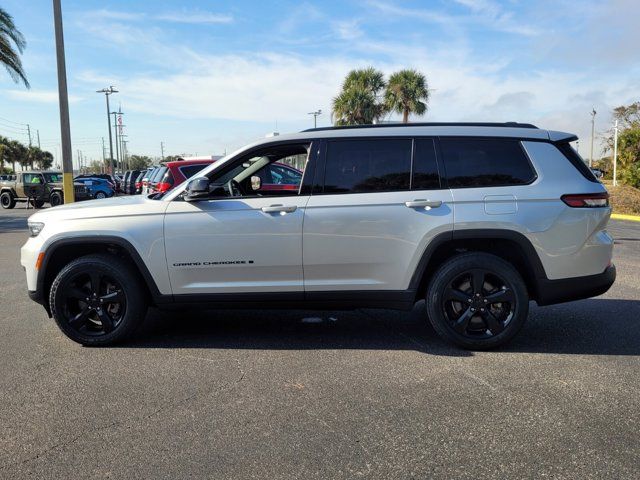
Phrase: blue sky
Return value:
(209, 76)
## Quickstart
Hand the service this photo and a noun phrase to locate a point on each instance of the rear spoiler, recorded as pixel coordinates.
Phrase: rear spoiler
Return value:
(561, 136)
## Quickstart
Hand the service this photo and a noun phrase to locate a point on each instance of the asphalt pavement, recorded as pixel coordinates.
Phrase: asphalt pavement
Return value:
(366, 394)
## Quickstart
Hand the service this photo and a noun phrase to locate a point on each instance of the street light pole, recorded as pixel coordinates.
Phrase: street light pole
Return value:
(63, 98)
(593, 125)
(315, 116)
(615, 153)
(107, 92)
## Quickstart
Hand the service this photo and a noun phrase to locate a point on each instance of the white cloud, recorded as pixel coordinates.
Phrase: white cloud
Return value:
(194, 17)
(39, 96)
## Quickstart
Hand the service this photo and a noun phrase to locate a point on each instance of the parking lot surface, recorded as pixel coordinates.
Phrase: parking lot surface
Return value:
(372, 394)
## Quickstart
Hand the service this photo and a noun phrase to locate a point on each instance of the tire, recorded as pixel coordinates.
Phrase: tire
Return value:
(55, 199)
(7, 201)
(36, 203)
(477, 301)
(114, 305)
(100, 195)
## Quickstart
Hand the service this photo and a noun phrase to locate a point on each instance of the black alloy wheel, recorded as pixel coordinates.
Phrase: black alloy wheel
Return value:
(477, 301)
(98, 299)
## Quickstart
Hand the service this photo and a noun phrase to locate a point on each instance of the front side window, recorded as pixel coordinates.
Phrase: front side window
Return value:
(485, 162)
(257, 174)
(368, 165)
(33, 178)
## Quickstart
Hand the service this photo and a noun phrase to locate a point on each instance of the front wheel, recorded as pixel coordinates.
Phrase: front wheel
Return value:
(7, 201)
(100, 195)
(55, 199)
(477, 301)
(97, 300)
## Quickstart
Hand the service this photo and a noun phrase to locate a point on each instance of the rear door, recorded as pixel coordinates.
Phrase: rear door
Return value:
(378, 205)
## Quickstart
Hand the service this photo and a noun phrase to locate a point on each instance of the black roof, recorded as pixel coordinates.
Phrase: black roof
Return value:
(427, 124)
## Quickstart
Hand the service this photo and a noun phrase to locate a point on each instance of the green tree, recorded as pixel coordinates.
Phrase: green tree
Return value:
(407, 93)
(4, 148)
(628, 161)
(139, 162)
(12, 44)
(358, 102)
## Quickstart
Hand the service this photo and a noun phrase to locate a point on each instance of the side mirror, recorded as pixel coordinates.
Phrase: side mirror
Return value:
(256, 183)
(197, 189)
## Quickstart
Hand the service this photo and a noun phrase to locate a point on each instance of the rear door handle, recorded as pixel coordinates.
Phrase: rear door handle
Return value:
(423, 203)
(279, 208)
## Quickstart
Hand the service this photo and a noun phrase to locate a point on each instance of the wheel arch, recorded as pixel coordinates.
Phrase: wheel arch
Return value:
(64, 250)
(509, 245)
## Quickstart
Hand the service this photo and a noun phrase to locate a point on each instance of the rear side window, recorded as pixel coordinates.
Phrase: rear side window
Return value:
(167, 178)
(485, 162)
(577, 161)
(190, 170)
(371, 165)
(425, 168)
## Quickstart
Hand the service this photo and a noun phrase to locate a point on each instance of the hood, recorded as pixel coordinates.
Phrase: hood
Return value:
(103, 208)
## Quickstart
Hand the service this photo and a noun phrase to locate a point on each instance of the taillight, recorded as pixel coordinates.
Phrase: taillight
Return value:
(138, 184)
(586, 200)
(163, 186)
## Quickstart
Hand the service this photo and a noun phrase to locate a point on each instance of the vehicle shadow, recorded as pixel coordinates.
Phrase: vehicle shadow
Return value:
(9, 224)
(589, 327)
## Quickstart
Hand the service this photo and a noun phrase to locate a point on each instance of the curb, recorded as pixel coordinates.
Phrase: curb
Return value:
(623, 216)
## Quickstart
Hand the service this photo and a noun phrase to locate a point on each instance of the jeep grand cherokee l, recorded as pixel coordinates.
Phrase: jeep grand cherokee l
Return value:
(477, 219)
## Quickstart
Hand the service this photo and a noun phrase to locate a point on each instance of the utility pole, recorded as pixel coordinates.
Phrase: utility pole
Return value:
(162, 150)
(593, 128)
(29, 133)
(107, 92)
(38, 132)
(63, 98)
(115, 130)
(615, 153)
(315, 116)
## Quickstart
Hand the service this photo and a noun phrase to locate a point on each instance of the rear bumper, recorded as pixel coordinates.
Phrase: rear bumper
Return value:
(576, 288)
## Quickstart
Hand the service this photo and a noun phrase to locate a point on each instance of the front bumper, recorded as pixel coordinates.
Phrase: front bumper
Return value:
(568, 289)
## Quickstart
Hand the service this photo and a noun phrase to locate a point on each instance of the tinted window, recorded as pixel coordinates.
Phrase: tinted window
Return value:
(425, 168)
(480, 162)
(358, 166)
(190, 170)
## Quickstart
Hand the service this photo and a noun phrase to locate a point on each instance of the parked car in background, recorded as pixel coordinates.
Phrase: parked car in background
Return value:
(138, 183)
(155, 179)
(38, 188)
(129, 182)
(144, 189)
(597, 173)
(97, 187)
(105, 176)
(178, 171)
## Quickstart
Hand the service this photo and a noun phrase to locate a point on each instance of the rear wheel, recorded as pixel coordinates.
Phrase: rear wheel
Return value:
(55, 199)
(97, 300)
(100, 195)
(7, 200)
(477, 301)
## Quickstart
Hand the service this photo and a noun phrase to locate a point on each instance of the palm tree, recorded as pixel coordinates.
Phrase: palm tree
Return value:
(358, 102)
(407, 92)
(10, 40)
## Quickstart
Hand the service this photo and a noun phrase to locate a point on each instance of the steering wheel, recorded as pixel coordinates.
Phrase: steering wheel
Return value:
(234, 188)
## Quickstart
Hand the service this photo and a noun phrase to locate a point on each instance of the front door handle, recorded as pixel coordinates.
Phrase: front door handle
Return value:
(423, 203)
(279, 209)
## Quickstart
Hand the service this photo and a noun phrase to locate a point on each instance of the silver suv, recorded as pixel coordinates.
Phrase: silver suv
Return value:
(478, 219)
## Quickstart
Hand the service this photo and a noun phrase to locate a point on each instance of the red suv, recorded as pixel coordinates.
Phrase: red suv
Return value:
(177, 172)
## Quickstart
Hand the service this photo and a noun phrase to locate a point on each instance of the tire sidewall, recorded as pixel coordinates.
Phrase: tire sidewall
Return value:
(6, 200)
(118, 270)
(100, 195)
(459, 265)
(55, 199)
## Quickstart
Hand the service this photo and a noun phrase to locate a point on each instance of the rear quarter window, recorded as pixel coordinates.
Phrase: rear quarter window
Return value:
(190, 170)
(485, 162)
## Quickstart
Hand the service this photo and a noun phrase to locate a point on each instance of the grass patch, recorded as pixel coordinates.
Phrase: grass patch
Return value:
(624, 199)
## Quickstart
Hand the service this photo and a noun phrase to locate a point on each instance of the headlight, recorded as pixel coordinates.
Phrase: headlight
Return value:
(35, 228)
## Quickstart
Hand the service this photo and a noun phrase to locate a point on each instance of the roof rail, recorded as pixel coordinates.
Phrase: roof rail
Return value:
(427, 124)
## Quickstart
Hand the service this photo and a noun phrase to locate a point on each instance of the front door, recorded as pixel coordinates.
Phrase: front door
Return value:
(248, 242)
